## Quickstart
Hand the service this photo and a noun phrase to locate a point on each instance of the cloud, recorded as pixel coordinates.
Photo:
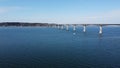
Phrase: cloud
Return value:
(113, 14)
(111, 17)
(8, 9)
(3, 10)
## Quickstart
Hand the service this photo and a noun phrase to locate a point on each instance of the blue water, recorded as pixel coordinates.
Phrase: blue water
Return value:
(43, 47)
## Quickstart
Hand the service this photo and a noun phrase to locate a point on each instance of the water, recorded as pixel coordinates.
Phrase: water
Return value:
(41, 47)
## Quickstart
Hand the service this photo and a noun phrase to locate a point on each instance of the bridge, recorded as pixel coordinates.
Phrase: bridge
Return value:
(66, 26)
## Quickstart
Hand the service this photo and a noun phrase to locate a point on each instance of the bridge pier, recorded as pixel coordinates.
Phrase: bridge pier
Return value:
(54, 26)
(62, 27)
(74, 27)
(100, 30)
(67, 27)
(58, 26)
(84, 28)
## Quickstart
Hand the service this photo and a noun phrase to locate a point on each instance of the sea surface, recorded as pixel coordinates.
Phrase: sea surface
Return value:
(46, 47)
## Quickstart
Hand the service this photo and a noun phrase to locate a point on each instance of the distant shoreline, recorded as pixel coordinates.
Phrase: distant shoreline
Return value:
(26, 24)
(22, 24)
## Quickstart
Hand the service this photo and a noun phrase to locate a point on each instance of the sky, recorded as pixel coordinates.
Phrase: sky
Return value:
(61, 11)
